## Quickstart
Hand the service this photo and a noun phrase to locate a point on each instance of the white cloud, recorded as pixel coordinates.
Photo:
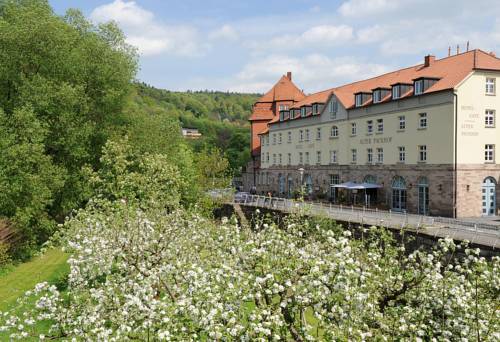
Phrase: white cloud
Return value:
(313, 72)
(318, 36)
(146, 33)
(226, 32)
(361, 8)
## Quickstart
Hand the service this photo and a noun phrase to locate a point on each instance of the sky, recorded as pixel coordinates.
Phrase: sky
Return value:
(245, 46)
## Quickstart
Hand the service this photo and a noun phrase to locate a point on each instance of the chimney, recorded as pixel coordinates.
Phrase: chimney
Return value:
(429, 60)
(449, 51)
(289, 75)
(458, 49)
(467, 46)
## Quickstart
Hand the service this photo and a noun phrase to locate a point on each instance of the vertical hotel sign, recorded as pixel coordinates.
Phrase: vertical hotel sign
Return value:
(468, 126)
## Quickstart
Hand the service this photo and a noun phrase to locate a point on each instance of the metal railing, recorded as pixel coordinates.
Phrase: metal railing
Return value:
(434, 225)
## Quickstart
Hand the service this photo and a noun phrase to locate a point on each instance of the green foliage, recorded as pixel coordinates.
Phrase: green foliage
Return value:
(149, 181)
(63, 85)
(213, 169)
(29, 179)
(220, 117)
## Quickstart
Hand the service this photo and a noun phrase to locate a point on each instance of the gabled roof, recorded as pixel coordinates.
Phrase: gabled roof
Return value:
(450, 71)
(283, 90)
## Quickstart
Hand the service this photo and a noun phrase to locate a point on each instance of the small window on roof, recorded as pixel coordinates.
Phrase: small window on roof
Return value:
(359, 100)
(377, 96)
(419, 87)
(303, 111)
(396, 92)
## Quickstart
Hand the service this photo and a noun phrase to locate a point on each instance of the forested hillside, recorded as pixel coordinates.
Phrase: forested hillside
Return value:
(221, 117)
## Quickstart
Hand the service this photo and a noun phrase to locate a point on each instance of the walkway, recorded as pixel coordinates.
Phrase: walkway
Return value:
(480, 232)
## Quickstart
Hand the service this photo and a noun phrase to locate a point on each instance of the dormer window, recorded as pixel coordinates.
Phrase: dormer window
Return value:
(359, 100)
(419, 87)
(377, 96)
(303, 112)
(396, 92)
(282, 115)
(315, 109)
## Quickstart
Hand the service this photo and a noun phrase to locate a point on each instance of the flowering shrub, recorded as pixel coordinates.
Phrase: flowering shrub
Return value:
(141, 275)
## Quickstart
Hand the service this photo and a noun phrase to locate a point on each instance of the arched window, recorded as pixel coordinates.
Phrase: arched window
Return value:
(489, 200)
(399, 194)
(399, 183)
(334, 132)
(370, 179)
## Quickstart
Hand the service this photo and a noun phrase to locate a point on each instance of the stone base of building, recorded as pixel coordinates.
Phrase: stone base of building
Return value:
(438, 180)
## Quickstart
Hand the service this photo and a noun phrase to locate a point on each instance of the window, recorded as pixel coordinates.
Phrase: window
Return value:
(289, 158)
(359, 100)
(274, 158)
(380, 125)
(318, 157)
(396, 92)
(377, 94)
(422, 153)
(267, 157)
(307, 135)
(353, 128)
(334, 132)
(280, 161)
(289, 137)
(489, 153)
(282, 116)
(274, 138)
(333, 108)
(301, 135)
(334, 179)
(283, 107)
(354, 154)
(315, 109)
(279, 138)
(402, 123)
(301, 159)
(402, 154)
(419, 87)
(380, 155)
(262, 155)
(489, 118)
(303, 111)
(333, 157)
(369, 155)
(490, 86)
(307, 158)
(369, 126)
(318, 133)
(422, 120)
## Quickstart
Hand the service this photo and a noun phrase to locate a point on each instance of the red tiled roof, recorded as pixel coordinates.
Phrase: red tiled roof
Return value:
(450, 71)
(283, 90)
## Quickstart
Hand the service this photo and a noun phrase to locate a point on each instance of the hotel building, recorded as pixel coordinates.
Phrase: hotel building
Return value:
(426, 135)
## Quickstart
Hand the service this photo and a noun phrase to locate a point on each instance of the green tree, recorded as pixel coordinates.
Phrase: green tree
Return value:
(74, 75)
(28, 177)
(213, 168)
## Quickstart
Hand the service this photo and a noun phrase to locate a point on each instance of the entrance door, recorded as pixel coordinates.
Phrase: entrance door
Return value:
(423, 196)
(489, 197)
(290, 187)
(281, 181)
(399, 194)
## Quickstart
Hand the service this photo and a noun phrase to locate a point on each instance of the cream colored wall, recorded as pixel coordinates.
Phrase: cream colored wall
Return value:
(438, 138)
(472, 132)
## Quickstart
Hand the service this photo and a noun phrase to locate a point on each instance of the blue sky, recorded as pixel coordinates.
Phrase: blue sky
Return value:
(246, 46)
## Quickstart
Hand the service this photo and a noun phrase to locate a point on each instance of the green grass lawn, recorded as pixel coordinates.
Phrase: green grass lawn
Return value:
(49, 267)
